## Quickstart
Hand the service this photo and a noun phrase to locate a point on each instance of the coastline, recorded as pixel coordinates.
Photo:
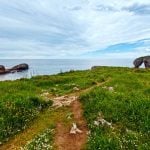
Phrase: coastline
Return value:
(28, 74)
(55, 66)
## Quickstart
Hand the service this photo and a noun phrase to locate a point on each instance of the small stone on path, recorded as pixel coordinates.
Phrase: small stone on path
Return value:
(76, 89)
(74, 129)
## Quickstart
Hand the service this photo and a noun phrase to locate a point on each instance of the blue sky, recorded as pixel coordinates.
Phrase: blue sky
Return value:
(74, 28)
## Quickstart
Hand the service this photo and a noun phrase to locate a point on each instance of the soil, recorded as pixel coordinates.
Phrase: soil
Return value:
(66, 141)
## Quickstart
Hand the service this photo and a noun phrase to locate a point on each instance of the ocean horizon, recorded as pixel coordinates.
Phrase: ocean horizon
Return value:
(55, 66)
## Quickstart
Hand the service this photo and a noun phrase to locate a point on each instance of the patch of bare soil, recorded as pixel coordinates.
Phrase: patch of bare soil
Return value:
(64, 140)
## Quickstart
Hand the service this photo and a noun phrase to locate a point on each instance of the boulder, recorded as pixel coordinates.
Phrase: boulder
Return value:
(17, 68)
(20, 67)
(146, 61)
(2, 69)
(139, 61)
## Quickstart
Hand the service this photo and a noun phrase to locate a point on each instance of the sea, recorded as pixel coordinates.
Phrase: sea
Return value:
(54, 66)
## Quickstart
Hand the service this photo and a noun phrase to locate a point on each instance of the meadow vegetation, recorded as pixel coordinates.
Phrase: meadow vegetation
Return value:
(21, 101)
(126, 107)
(42, 141)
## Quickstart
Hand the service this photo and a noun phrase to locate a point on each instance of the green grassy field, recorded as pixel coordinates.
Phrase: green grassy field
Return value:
(21, 100)
(126, 107)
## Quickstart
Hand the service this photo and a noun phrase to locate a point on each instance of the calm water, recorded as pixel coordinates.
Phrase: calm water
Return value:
(54, 66)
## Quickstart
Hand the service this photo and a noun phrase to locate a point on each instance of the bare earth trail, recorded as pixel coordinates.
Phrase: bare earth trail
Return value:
(63, 139)
(66, 141)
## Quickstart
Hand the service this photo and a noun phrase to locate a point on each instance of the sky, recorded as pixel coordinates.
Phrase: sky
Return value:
(49, 29)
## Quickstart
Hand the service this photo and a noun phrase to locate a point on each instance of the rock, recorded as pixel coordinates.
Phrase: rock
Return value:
(63, 101)
(2, 69)
(104, 122)
(14, 69)
(20, 67)
(74, 129)
(96, 123)
(139, 61)
(96, 67)
(110, 88)
(76, 89)
(101, 121)
(146, 61)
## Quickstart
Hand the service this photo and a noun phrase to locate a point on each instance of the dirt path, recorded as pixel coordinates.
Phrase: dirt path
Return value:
(63, 139)
(66, 141)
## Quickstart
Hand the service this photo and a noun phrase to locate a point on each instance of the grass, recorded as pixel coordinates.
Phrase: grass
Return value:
(17, 109)
(127, 107)
(21, 100)
(47, 120)
(42, 141)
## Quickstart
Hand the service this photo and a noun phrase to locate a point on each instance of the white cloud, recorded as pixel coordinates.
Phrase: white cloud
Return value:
(56, 29)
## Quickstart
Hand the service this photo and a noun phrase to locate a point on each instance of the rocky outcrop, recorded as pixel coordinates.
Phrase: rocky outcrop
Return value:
(18, 68)
(139, 61)
(96, 67)
(2, 69)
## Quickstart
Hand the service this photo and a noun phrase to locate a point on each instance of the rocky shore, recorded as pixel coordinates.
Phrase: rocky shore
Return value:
(17, 68)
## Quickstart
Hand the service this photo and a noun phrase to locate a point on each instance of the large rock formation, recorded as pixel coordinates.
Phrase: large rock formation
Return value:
(17, 68)
(2, 69)
(139, 61)
(20, 67)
